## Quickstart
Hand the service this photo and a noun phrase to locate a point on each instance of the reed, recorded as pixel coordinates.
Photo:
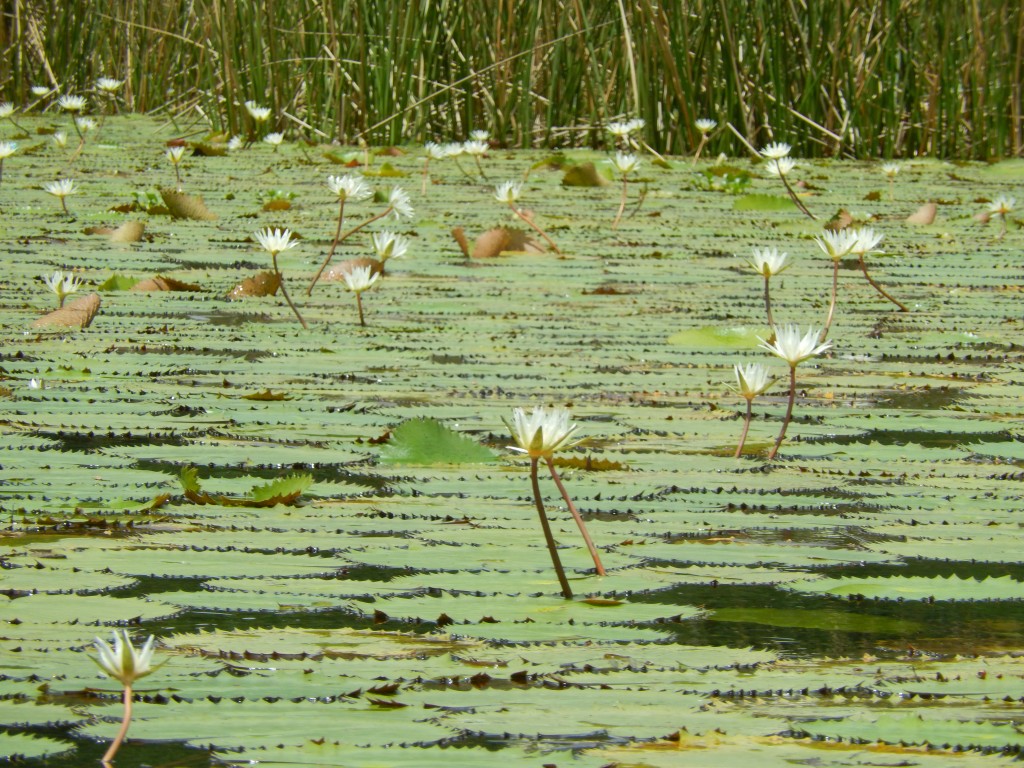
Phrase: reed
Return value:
(892, 78)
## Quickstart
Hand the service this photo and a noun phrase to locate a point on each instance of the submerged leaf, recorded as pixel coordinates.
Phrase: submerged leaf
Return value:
(428, 441)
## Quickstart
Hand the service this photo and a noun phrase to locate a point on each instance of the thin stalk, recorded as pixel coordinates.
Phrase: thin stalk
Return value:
(480, 167)
(465, 173)
(832, 304)
(546, 526)
(880, 289)
(284, 291)
(1, 171)
(577, 517)
(703, 141)
(64, 205)
(334, 245)
(622, 204)
(126, 720)
(789, 413)
(768, 304)
(177, 176)
(1002, 228)
(17, 125)
(796, 200)
(537, 229)
(359, 305)
(343, 238)
(426, 176)
(892, 188)
(746, 428)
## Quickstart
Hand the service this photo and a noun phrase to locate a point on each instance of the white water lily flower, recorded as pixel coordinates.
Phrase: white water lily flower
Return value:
(781, 166)
(7, 148)
(705, 125)
(542, 432)
(85, 124)
(768, 261)
(256, 112)
(40, 90)
(508, 191)
(6, 110)
(794, 347)
(776, 150)
(109, 84)
(890, 169)
(62, 284)
(625, 163)
(60, 138)
(35, 383)
(836, 244)
(61, 188)
(71, 103)
(275, 240)
(1002, 205)
(475, 148)
(480, 135)
(389, 245)
(175, 154)
(435, 151)
(453, 149)
(359, 279)
(122, 662)
(400, 204)
(351, 186)
(866, 241)
(235, 143)
(274, 139)
(752, 379)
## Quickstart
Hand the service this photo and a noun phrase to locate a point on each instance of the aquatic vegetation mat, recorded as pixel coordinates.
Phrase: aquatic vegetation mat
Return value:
(341, 558)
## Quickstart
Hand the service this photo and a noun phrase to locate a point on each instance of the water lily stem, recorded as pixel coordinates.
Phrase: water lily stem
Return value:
(622, 204)
(125, 722)
(746, 428)
(703, 141)
(832, 304)
(480, 167)
(577, 517)
(284, 292)
(537, 229)
(177, 176)
(546, 526)
(789, 413)
(796, 200)
(426, 176)
(341, 239)
(880, 289)
(768, 305)
(359, 305)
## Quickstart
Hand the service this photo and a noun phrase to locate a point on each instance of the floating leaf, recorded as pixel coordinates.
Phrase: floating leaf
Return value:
(924, 215)
(427, 441)
(74, 314)
(184, 206)
(385, 171)
(118, 283)
(759, 202)
(916, 588)
(266, 395)
(260, 284)
(584, 175)
(284, 491)
(160, 283)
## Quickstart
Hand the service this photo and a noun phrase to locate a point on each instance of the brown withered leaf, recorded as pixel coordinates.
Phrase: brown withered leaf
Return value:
(260, 284)
(277, 205)
(923, 215)
(460, 237)
(601, 601)
(500, 240)
(184, 206)
(840, 221)
(75, 314)
(338, 271)
(160, 283)
(583, 175)
(129, 232)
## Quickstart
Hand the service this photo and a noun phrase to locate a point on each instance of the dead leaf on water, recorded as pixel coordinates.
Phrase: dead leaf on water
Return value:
(923, 215)
(584, 175)
(840, 221)
(339, 270)
(160, 283)
(74, 314)
(500, 240)
(260, 284)
(267, 395)
(184, 206)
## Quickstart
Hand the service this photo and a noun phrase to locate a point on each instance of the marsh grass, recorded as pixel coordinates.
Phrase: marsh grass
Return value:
(834, 79)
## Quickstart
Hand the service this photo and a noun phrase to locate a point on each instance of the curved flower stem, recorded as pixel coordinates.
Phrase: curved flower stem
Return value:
(552, 549)
(480, 167)
(465, 173)
(125, 722)
(426, 176)
(832, 305)
(359, 304)
(746, 428)
(577, 517)
(537, 229)
(880, 289)
(703, 141)
(796, 200)
(177, 176)
(343, 238)
(284, 292)
(622, 205)
(789, 413)
(768, 305)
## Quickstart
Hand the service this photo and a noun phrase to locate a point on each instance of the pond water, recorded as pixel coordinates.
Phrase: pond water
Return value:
(856, 601)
